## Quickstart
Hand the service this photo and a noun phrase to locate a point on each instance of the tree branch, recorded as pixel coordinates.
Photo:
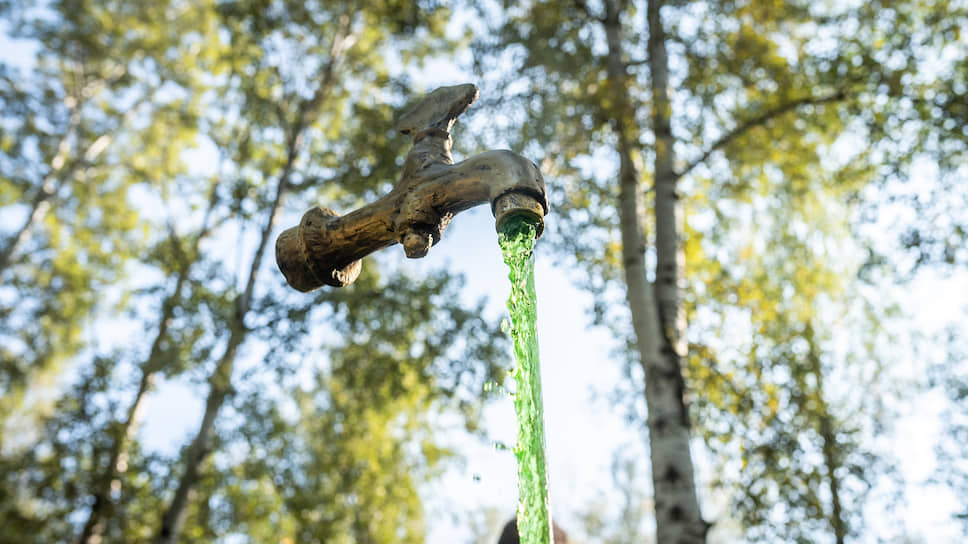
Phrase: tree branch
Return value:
(307, 110)
(759, 120)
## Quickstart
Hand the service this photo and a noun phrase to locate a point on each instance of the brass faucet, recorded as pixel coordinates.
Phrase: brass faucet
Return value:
(326, 248)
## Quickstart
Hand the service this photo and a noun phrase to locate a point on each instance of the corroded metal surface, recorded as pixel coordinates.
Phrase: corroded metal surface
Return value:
(326, 248)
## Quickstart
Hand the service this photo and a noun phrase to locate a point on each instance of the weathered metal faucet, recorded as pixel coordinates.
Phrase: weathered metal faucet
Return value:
(326, 248)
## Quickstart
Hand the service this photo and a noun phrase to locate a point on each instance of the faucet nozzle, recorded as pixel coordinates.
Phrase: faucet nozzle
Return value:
(519, 205)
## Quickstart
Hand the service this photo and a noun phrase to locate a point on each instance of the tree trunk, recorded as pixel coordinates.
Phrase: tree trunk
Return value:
(38, 209)
(678, 519)
(670, 258)
(830, 449)
(173, 521)
(220, 382)
(831, 461)
(93, 531)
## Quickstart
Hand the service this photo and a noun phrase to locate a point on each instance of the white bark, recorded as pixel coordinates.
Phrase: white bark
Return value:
(670, 258)
(672, 465)
(678, 519)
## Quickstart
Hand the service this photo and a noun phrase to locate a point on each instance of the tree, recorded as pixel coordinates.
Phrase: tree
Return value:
(734, 138)
(170, 350)
(950, 374)
(631, 521)
(65, 176)
(265, 87)
(726, 102)
(794, 445)
(655, 311)
(297, 99)
(46, 485)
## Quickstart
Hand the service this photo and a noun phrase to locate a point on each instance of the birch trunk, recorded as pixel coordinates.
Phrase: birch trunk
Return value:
(173, 520)
(678, 519)
(670, 258)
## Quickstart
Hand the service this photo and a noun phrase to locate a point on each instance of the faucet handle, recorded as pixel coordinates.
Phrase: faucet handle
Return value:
(438, 110)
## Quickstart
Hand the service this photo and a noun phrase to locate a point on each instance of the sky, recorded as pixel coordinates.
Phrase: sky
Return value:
(583, 429)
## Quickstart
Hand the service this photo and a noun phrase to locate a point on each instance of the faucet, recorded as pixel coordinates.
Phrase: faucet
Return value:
(326, 248)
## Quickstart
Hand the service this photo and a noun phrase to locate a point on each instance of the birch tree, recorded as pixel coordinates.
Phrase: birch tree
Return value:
(698, 109)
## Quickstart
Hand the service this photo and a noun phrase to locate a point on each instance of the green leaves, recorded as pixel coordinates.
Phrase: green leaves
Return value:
(159, 144)
(788, 119)
(144, 152)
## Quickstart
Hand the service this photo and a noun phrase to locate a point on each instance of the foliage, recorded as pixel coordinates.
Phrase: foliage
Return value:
(772, 399)
(341, 460)
(64, 178)
(787, 121)
(185, 127)
(150, 149)
(54, 476)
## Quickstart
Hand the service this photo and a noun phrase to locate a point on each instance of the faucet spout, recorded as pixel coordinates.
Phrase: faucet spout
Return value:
(326, 248)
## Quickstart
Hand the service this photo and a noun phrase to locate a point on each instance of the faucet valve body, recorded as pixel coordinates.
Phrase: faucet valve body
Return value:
(326, 248)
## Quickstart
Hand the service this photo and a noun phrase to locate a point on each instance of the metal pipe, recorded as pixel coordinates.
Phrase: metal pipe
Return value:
(326, 248)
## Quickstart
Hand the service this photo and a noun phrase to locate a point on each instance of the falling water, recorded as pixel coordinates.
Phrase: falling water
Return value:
(517, 241)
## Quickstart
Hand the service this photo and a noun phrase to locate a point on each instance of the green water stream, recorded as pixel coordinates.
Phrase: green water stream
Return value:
(517, 241)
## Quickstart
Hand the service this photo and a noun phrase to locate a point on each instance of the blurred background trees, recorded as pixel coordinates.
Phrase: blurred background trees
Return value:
(158, 270)
(754, 193)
